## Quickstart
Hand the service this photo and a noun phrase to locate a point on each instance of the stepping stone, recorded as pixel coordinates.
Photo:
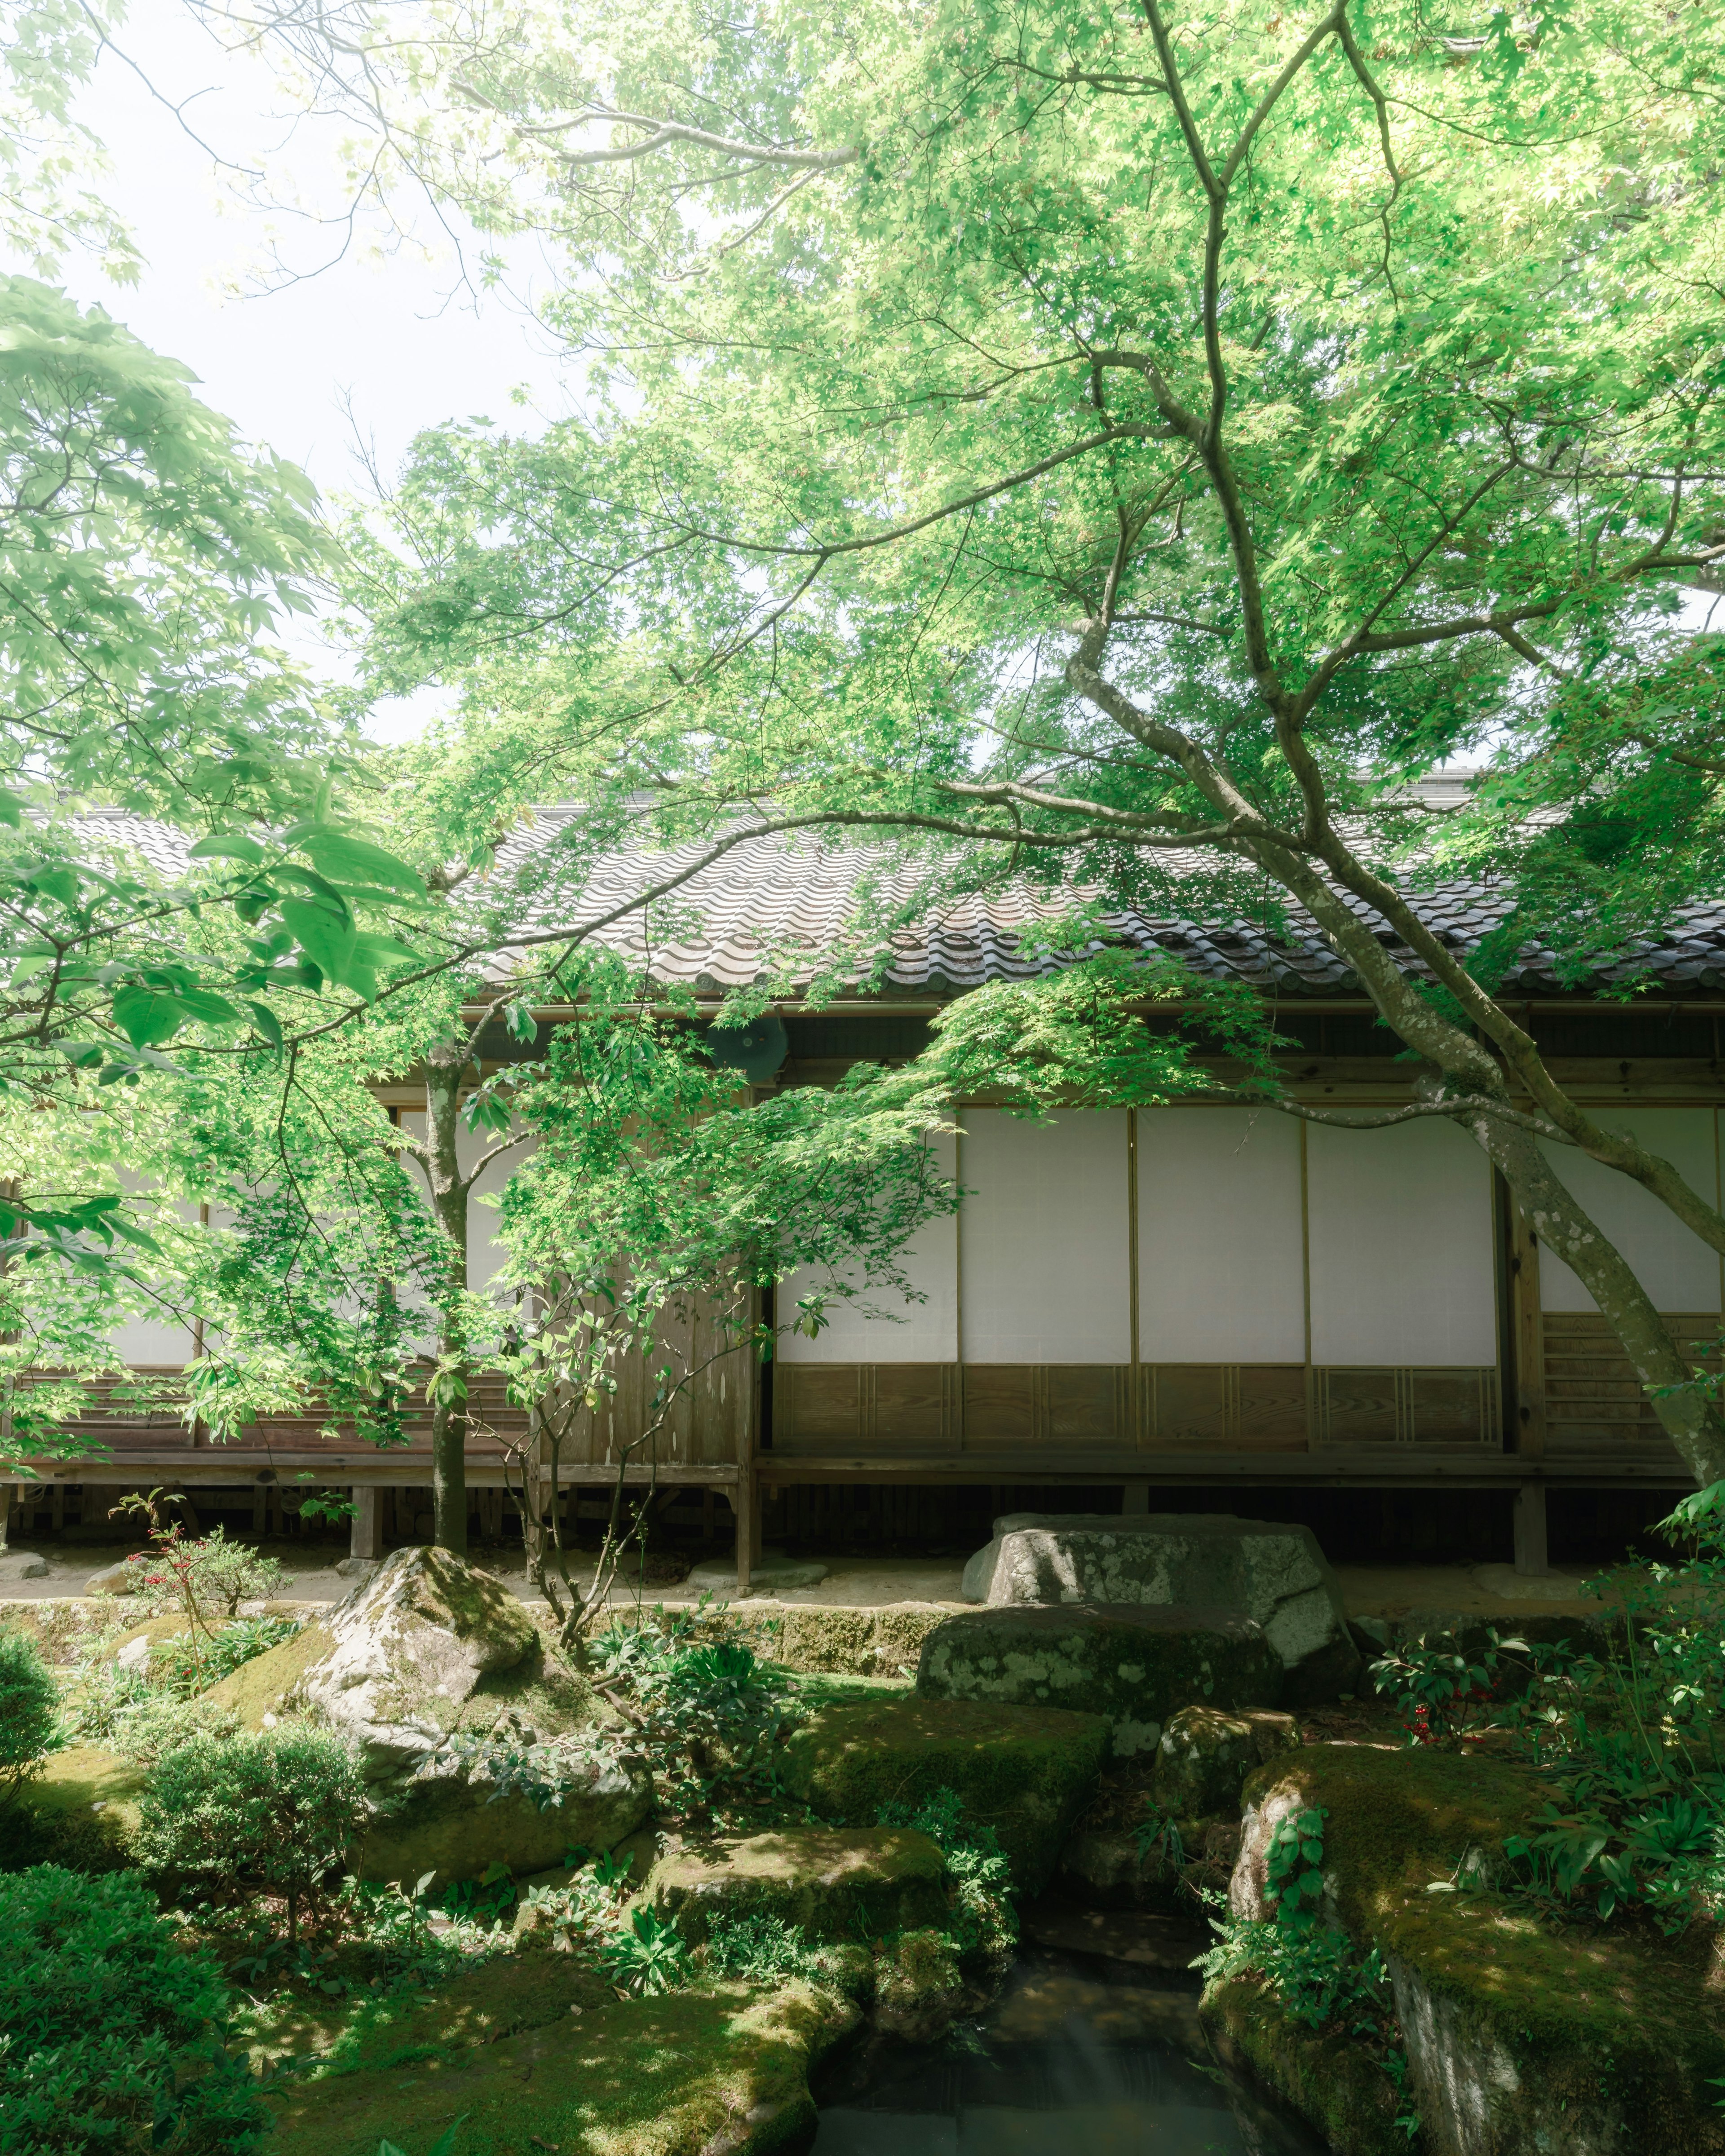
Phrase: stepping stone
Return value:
(1133, 1664)
(835, 1883)
(1025, 1772)
(1263, 1570)
(773, 1573)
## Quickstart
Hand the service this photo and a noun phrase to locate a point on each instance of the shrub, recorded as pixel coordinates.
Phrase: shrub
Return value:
(208, 1577)
(276, 1809)
(185, 1664)
(646, 1955)
(113, 2033)
(29, 1711)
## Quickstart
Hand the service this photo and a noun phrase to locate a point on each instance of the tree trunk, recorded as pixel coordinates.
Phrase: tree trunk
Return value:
(449, 1202)
(1690, 1419)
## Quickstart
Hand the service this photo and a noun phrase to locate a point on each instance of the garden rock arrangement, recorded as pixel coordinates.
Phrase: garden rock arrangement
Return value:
(1519, 2033)
(426, 1650)
(1023, 1773)
(1133, 1664)
(1276, 1576)
(834, 1884)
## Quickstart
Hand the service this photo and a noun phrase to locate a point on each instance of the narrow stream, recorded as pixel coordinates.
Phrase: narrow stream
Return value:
(1079, 2057)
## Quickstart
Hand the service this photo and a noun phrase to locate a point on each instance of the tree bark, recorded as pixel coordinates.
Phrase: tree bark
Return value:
(1689, 1418)
(448, 1201)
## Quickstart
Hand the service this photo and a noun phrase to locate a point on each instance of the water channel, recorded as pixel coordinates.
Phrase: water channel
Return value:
(1078, 2057)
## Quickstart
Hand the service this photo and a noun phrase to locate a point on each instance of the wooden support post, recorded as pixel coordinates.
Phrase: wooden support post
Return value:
(1135, 1498)
(744, 1502)
(368, 1537)
(260, 1513)
(1529, 1427)
(1531, 1557)
(6, 1495)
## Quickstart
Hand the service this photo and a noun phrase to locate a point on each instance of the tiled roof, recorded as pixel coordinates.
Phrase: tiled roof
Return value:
(777, 909)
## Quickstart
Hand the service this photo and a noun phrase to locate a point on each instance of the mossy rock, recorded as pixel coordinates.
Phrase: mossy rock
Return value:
(1576, 2040)
(1206, 1754)
(835, 1883)
(1334, 2082)
(60, 1625)
(255, 1691)
(1136, 1664)
(719, 2069)
(1027, 1772)
(130, 1648)
(79, 1810)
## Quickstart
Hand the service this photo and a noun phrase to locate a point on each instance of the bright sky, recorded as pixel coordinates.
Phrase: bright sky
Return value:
(394, 335)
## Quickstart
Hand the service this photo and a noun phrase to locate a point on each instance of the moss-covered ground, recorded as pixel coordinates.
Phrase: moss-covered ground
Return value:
(534, 2058)
(1513, 2018)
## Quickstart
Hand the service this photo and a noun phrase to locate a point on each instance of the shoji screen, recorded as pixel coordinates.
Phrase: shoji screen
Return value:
(1399, 1222)
(908, 1331)
(1676, 1268)
(1221, 1269)
(485, 1253)
(1045, 1265)
(154, 1341)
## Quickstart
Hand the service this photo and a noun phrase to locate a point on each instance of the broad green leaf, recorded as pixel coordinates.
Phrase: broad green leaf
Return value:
(346, 860)
(227, 846)
(148, 1015)
(326, 941)
(206, 1005)
(267, 1022)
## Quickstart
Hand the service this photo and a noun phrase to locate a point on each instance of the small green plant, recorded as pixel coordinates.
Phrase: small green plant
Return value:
(184, 1665)
(646, 1955)
(983, 1920)
(29, 1712)
(113, 2028)
(486, 1900)
(759, 1950)
(444, 2142)
(1158, 1835)
(275, 1810)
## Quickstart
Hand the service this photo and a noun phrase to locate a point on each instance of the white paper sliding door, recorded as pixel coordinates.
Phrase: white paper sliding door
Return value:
(1045, 1265)
(905, 1331)
(1399, 1222)
(1221, 1264)
(1675, 1267)
(485, 1253)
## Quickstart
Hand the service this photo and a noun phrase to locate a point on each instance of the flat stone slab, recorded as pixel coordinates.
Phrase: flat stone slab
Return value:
(1025, 1772)
(1133, 1664)
(835, 1883)
(1274, 1573)
(773, 1575)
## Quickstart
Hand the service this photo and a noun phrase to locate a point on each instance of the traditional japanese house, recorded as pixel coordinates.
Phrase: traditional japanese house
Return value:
(1190, 1304)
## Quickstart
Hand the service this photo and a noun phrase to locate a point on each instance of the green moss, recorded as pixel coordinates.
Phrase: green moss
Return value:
(337, 2036)
(59, 1626)
(258, 1686)
(80, 1810)
(720, 2067)
(812, 1692)
(1549, 2021)
(1026, 1772)
(1331, 2079)
(834, 1883)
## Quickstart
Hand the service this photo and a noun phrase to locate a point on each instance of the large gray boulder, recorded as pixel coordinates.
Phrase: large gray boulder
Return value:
(418, 1663)
(1133, 1664)
(1276, 1575)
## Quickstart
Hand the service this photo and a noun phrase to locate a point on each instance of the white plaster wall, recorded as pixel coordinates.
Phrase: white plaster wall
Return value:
(1221, 1273)
(1399, 1222)
(906, 1331)
(1675, 1267)
(1045, 1265)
